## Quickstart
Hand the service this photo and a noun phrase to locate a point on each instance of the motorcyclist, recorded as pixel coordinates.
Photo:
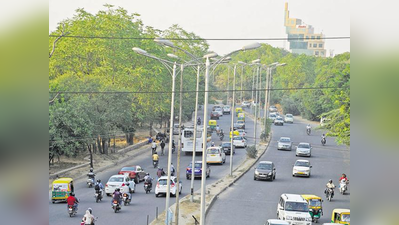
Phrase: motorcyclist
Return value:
(173, 145)
(72, 200)
(160, 172)
(126, 189)
(91, 175)
(213, 144)
(172, 169)
(117, 195)
(100, 187)
(89, 218)
(217, 129)
(199, 120)
(155, 157)
(308, 127)
(162, 146)
(331, 186)
(148, 179)
(343, 177)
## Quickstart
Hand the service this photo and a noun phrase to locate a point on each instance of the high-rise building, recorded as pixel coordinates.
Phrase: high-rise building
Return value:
(301, 37)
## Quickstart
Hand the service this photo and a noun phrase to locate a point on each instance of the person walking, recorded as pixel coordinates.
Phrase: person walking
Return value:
(162, 146)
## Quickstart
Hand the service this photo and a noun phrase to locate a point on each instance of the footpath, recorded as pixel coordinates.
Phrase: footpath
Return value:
(188, 209)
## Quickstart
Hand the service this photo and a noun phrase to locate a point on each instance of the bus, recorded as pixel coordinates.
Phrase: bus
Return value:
(187, 139)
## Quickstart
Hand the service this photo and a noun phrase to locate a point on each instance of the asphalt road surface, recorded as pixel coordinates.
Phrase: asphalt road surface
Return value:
(253, 202)
(143, 204)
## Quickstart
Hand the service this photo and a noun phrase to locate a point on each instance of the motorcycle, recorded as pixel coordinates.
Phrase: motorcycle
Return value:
(115, 206)
(308, 131)
(155, 163)
(98, 195)
(221, 136)
(147, 187)
(329, 193)
(125, 198)
(173, 149)
(343, 186)
(72, 211)
(323, 141)
(198, 122)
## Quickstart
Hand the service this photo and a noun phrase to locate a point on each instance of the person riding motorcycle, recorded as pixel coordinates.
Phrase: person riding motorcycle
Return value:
(91, 175)
(308, 127)
(88, 218)
(343, 177)
(160, 172)
(217, 129)
(323, 137)
(148, 179)
(72, 200)
(154, 147)
(155, 157)
(126, 189)
(199, 120)
(100, 187)
(172, 169)
(117, 195)
(331, 186)
(213, 144)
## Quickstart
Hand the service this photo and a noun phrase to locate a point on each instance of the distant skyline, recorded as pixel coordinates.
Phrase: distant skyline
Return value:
(226, 18)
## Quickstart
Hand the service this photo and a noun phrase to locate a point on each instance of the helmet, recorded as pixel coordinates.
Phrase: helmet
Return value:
(117, 189)
(99, 181)
(148, 174)
(127, 183)
(329, 181)
(90, 210)
(213, 143)
(91, 169)
(155, 153)
(72, 194)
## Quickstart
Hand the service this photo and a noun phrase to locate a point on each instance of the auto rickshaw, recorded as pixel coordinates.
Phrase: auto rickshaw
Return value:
(212, 124)
(238, 110)
(315, 206)
(236, 133)
(61, 189)
(241, 116)
(341, 216)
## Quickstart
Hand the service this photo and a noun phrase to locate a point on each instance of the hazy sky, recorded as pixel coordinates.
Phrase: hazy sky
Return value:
(226, 18)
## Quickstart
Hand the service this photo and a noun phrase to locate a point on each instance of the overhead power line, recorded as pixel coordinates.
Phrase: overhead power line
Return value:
(201, 39)
(166, 92)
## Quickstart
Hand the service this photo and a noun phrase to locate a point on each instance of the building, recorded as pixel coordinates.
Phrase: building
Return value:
(301, 37)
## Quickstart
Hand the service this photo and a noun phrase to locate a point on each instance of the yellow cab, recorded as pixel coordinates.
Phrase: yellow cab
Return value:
(315, 206)
(212, 124)
(61, 189)
(238, 110)
(341, 216)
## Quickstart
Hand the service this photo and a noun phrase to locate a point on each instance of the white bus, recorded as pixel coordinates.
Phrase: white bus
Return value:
(187, 139)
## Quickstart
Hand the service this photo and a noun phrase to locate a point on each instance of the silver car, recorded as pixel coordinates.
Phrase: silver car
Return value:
(284, 143)
(304, 149)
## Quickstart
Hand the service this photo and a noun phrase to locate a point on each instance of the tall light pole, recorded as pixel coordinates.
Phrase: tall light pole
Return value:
(256, 61)
(232, 122)
(203, 175)
(228, 82)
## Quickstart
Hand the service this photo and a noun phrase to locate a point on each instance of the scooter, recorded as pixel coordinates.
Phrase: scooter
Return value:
(329, 193)
(343, 186)
(155, 163)
(98, 195)
(147, 187)
(323, 141)
(198, 122)
(72, 211)
(125, 198)
(221, 136)
(115, 206)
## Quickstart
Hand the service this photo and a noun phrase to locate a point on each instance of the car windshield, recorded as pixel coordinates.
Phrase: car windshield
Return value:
(303, 146)
(288, 115)
(240, 121)
(302, 163)
(264, 166)
(164, 181)
(128, 168)
(115, 179)
(197, 165)
(272, 115)
(279, 118)
(315, 202)
(213, 151)
(346, 217)
(237, 138)
(296, 206)
(218, 109)
(284, 140)
(226, 144)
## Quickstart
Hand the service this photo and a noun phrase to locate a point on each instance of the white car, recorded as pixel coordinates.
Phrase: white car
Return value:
(276, 222)
(303, 149)
(226, 109)
(273, 108)
(245, 104)
(272, 116)
(239, 141)
(289, 118)
(301, 168)
(161, 186)
(118, 181)
(220, 111)
(215, 155)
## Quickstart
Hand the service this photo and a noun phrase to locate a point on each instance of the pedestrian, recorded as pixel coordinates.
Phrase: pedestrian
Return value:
(162, 146)
(172, 169)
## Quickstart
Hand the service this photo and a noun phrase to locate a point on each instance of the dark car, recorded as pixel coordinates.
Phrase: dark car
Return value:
(214, 115)
(226, 147)
(197, 170)
(265, 171)
(136, 173)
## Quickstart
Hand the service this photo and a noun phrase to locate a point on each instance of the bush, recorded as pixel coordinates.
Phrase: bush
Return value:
(264, 135)
(252, 151)
(289, 106)
(225, 102)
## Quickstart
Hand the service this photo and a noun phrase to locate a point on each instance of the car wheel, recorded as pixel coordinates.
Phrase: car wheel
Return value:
(254, 178)
(156, 195)
(293, 175)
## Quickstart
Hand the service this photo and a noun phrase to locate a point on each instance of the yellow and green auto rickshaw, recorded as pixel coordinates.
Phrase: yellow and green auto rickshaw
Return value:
(236, 133)
(212, 124)
(315, 206)
(341, 216)
(241, 116)
(238, 110)
(61, 189)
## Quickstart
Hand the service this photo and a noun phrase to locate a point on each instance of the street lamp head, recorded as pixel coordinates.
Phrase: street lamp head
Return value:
(173, 56)
(163, 41)
(256, 61)
(139, 51)
(210, 55)
(282, 64)
(241, 62)
(251, 46)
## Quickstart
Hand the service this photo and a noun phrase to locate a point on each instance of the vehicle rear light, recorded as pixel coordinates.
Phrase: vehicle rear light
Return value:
(158, 184)
(115, 202)
(123, 184)
(106, 185)
(172, 185)
(243, 141)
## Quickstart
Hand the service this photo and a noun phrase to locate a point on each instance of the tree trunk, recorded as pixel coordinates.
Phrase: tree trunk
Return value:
(105, 146)
(100, 148)
(94, 146)
(151, 123)
(91, 155)
(114, 143)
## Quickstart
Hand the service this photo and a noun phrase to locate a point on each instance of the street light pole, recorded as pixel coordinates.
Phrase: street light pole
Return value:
(256, 104)
(242, 73)
(232, 122)
(228, 82)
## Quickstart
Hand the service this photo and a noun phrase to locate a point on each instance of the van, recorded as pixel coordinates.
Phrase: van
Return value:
(294, 209)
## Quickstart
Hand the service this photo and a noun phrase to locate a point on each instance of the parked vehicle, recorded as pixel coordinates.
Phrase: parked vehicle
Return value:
(284, 143)
(135, 173)
(315, 206)
(289, 118)
(197, 170)
(215, 155)
(118, 181)
(161, 186)
(265, 170)
(294, 209)
(61, 189)
(303, 149)
(341, 216)
(301, 168)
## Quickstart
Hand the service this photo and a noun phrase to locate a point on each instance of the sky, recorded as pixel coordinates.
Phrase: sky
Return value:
(226, 18)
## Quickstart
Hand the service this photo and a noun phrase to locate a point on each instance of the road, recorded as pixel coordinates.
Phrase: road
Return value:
(143, 204)
(253, 202)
